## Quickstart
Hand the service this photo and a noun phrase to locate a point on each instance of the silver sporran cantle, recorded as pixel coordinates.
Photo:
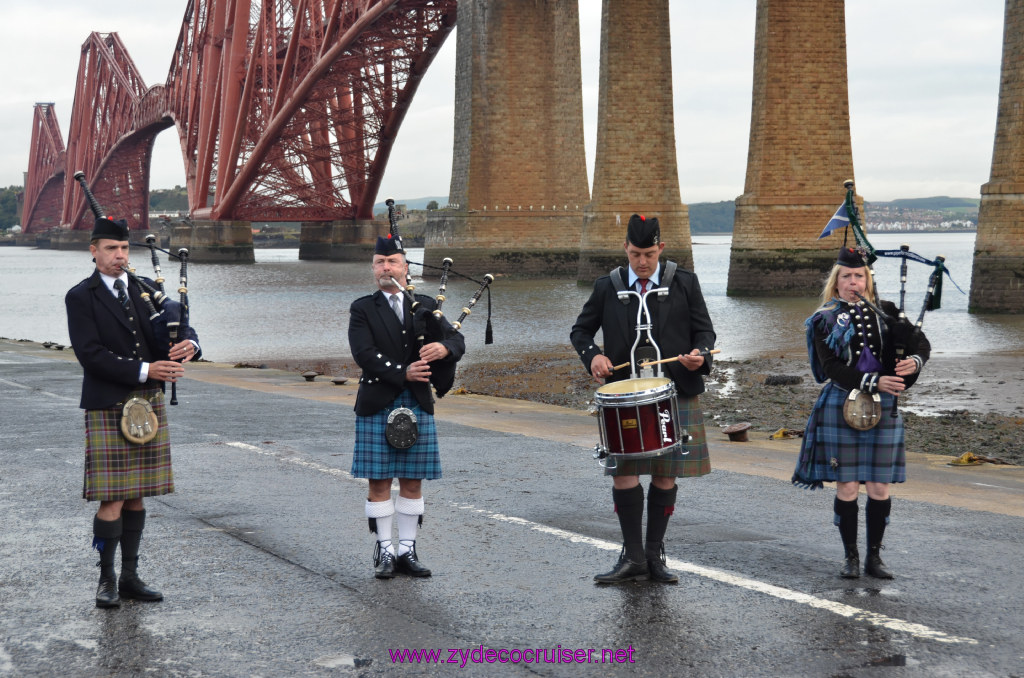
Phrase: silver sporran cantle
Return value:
(139, 424)
(862, 410)
(401, 432)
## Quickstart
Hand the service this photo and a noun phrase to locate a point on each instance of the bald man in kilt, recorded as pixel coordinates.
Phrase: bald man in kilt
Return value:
(681, 327)
(121, 357)
(395, 384)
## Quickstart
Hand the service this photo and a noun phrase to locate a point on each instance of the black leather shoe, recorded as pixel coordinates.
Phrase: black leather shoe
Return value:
(851, 568)
(383, 563)
(658, 569)
(106, 593)
(130, 586)
(874, 565)
(409, 564)
(624, 570)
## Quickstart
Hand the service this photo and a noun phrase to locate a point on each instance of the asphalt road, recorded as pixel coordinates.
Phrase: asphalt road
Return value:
(264, 556)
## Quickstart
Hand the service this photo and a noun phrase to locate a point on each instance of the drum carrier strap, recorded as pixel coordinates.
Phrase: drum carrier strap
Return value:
(616, 277)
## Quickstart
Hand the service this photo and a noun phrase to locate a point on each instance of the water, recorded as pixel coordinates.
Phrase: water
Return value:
(281, 308)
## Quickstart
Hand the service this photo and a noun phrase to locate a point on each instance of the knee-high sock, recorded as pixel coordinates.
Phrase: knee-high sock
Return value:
(134, 522)
(629, 505)
(380, 515)
(106, 535)
(846, 520)
(409, 518)
(877, 517)
(661, 505)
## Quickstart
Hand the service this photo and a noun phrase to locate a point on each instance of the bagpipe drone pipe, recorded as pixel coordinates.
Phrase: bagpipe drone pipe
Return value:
(905, 336)
(428, 324)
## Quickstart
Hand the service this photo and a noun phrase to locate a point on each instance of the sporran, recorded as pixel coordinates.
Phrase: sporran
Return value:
(139, 424)
(861, 410)
(401, 432)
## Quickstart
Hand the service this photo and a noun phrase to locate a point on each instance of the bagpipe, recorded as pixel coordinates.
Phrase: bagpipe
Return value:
(905, 336)
(428, 324)
(168, 318)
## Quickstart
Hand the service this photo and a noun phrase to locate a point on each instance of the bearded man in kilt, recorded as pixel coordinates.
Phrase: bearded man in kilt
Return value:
(122, 358)
(397, 373)
(681, 326)
(852, 348)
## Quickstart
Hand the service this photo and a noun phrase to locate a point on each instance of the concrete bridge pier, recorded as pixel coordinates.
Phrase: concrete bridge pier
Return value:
(800, 152)
(635, 167)
(339, 240)
(997, 284)
(224, 242)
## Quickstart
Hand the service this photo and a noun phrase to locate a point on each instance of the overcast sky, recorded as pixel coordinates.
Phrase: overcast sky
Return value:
(923, 87)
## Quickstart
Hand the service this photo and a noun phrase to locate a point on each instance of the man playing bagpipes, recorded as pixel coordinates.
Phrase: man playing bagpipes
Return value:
(127, 358)
(402, 348)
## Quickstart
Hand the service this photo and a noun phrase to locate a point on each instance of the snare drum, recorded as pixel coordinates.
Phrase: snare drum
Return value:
(639, 418)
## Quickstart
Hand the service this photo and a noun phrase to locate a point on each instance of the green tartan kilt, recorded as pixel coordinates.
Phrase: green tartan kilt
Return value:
(115, 469)
(691, 460)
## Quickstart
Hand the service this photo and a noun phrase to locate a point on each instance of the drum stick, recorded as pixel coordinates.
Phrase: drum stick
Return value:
(664, 360)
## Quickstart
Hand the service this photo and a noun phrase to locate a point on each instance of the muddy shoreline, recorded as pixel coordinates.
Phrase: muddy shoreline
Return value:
(959, 405)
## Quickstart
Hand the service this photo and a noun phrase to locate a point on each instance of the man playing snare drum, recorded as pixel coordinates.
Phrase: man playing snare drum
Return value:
(681, 327)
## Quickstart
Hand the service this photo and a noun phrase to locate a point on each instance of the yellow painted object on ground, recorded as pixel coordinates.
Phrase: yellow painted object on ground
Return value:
(786, 433)
(971, 459)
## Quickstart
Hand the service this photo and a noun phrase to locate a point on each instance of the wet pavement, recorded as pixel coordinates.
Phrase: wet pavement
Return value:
(264, 556)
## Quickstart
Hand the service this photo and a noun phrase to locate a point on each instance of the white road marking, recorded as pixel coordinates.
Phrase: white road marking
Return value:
(842, 609)
(37, 390)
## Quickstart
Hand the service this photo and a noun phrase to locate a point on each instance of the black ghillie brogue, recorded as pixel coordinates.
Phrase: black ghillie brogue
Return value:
(408, 563)
(383, 563)
(624, 570)
(851, 567)
(874, 565)
(106, 593)
(130, 586)
(656, 565)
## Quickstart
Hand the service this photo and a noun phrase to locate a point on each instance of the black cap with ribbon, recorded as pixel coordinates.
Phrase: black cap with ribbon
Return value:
(643, 232)
(110, 229)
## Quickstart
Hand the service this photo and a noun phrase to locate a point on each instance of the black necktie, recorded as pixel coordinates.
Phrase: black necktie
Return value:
(122, 297)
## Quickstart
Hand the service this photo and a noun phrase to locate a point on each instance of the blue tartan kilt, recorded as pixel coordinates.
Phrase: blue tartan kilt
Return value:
(375, 459)
(832, 451)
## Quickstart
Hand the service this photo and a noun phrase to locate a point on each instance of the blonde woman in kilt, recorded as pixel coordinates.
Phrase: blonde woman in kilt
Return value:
(682, 327)
(851, 347)
(397, 373)
(121, 357)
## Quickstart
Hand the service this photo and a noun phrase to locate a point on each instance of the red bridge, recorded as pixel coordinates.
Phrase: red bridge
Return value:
(286, 111)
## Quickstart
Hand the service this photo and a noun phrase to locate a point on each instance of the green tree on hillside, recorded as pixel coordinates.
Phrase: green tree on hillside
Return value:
(432, 205)
(9, 215)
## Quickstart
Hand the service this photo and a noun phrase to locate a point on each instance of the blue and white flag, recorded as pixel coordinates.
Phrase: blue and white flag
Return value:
(839, 220)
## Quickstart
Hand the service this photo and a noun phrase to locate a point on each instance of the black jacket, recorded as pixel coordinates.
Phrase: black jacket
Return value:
(104, 342)
(383, 349)
(680, 324)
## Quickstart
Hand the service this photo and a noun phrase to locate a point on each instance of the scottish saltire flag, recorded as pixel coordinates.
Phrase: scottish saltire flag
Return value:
(839, 220)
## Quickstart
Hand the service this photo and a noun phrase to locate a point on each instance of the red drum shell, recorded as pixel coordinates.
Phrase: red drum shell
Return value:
(639, 417)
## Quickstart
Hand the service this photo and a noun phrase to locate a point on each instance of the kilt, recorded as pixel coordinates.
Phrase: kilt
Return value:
(833, 451)
(116, 469)
(376, 459)
(691, 460)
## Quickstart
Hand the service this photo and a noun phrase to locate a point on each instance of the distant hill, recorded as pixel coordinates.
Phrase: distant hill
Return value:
(937, 203)
(712, 217)
(411, 203)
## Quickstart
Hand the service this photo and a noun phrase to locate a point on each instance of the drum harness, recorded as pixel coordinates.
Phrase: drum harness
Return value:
(649, 365)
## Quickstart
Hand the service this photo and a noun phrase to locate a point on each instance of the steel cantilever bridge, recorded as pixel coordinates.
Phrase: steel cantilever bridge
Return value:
(286, 110)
